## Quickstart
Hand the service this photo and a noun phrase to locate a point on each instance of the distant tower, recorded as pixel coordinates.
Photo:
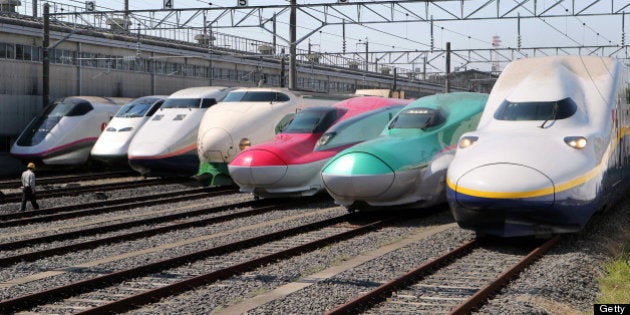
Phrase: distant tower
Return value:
(496, 42)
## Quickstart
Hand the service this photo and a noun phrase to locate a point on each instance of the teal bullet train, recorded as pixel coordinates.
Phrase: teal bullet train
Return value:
(406, 165)
(551, 148)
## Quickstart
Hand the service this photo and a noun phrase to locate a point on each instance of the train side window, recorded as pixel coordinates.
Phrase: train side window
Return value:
(207, 102)
(80, 109)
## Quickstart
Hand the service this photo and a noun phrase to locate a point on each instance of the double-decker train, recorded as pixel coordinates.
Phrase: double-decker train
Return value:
(406, 165)
(551, 148)
(290, 164)
(166, 145)
(65, 131)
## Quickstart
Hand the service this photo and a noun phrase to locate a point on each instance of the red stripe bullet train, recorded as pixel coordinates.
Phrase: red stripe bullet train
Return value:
(166, 145)
(551, 148)
(65, 132)
(290, 164)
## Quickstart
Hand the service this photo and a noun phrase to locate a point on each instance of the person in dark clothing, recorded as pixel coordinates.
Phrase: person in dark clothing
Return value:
(28, 187)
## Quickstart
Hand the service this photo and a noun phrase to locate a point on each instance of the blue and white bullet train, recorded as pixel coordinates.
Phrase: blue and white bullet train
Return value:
(65, 131)
(166, 145)
(550, 150)
(113, 143)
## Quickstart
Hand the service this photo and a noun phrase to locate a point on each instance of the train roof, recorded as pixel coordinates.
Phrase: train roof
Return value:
(591, 81)
(296, 93)
(101, 99)
(198, 92)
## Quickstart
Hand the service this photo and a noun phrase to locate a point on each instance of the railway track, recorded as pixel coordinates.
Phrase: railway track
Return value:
(76, 190)
(146, 283)
(166, 223)
(98, 207)
(456, 282)
(8, 183)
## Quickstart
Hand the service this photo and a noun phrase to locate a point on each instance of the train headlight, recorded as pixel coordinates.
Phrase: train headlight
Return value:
(326, 138)
(576, 142)
(125, 129)
(467, 141)
(244, 144)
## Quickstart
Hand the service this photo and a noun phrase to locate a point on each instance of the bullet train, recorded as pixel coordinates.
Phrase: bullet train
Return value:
(290, 164)
(166, 145)
(246, 116)
(406, 165)
(64, 133)
(551, 148)
(113, 143)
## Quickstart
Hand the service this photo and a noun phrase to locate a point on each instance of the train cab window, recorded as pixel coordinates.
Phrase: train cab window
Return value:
(207, 102)
(79, 109)
(313, 120)
(357, 129)
(137, 108)
(417, 118)
(536, 110)
(182, 103)
(256, 96)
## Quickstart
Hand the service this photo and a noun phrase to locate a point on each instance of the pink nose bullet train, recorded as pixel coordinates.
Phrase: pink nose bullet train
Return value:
(290, 164)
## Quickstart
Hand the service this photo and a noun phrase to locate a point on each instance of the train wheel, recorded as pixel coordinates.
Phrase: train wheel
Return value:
(356, 206)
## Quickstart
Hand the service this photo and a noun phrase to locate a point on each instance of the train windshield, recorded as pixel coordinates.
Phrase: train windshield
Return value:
(417, 118)
(313, 120)
(536, 110)
(357, 129)
(256, 96)
(182, 103)
(48, 119)
(137, 108)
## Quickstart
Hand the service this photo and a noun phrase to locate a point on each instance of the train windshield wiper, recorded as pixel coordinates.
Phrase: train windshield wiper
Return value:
(552, 116)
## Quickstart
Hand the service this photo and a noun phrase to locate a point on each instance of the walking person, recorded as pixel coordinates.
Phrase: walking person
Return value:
(28, 187)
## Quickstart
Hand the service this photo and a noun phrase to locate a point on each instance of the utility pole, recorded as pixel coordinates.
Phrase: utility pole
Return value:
(46, 60)
(448, 67)
(292, 47)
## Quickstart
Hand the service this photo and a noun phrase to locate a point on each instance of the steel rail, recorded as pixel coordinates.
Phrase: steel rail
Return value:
(61, 292)
(385, 290)
(153, 295)
(37, 255)
(47, 180)
(110, 228)
(79, 210)
(481, 296)
(15, 197)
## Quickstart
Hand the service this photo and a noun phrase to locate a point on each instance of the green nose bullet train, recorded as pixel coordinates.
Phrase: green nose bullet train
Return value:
(406, 165)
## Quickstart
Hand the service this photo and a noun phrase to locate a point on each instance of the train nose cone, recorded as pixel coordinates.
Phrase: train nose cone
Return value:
(147, 149)
(216, 145)
(256, 168)
(503, 185)
(357, 175)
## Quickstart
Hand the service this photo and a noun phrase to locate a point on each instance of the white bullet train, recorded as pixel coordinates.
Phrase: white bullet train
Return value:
(247, 116)
(113, 143)
(64, 133)
(550, 150)
(166, 145)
